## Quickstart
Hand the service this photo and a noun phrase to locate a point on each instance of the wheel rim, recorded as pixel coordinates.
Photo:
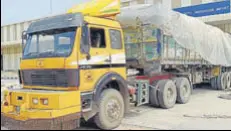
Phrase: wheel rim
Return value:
(113, 110)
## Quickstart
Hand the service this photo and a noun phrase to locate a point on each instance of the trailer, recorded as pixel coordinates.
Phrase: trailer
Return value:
(156, 59)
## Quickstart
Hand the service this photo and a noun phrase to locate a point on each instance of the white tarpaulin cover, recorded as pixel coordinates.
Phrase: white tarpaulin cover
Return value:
(210, 42)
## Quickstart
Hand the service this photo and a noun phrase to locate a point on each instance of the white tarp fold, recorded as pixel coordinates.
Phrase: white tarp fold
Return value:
(210, 42)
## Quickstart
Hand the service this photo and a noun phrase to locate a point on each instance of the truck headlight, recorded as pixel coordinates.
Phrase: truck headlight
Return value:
(35, 101)
(45, 101)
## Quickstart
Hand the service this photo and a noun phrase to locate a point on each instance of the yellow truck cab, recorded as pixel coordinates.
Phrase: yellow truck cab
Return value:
(73, 67)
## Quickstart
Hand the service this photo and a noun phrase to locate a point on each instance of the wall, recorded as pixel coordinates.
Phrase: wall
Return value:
(11, 57)
(11, 45)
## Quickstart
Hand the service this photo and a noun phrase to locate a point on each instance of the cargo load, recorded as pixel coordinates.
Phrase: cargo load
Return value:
(211, 43)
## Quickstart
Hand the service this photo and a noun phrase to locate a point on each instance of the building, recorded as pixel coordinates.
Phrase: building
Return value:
(220, 18)
(11, 47)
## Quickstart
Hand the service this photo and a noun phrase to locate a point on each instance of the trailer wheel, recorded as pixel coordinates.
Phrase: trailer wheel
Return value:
(153, 95)
(183, 90)
(216, 87)
(111, 110)
(213, 82)
(167, 94)
(228, 77)
(222, 81)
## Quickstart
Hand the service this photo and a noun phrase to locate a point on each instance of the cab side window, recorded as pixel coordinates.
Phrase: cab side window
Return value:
(97, 38)
(115, 37)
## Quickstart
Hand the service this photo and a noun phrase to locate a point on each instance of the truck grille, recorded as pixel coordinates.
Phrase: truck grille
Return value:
(53, 77)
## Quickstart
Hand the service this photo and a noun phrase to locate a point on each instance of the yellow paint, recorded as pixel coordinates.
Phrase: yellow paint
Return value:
(102, 22)
(216, 71)
(7, 109)
(50, 88)
(96, 74)
(98, 8)
(57, 100)
(41, 114)
(59, 104)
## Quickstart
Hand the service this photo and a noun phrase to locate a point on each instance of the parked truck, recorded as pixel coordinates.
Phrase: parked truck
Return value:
(83, 64)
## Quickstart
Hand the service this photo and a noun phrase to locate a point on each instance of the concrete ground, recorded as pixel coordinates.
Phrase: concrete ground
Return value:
(205, 111)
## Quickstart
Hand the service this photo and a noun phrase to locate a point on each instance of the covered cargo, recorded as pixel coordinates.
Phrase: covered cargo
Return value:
(147, 44)
(212, 44)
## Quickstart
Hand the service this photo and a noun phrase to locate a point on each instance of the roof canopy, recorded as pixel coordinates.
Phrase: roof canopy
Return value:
(98, 8)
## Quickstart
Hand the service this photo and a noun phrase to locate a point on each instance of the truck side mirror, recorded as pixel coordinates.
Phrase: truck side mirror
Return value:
(24, 38)
(85, 41)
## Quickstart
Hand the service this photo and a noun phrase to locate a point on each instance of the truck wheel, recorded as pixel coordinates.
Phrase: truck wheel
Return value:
(167, 94)
(183, 90)
(153, 96)
(111, 110)
(213, 83)
(221, 81)
(228, 77)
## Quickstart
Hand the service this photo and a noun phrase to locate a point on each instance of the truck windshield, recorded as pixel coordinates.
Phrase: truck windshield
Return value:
(52, 43)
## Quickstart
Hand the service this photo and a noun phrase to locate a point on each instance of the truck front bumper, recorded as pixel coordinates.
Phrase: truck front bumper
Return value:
(67, 122)
(61, 111)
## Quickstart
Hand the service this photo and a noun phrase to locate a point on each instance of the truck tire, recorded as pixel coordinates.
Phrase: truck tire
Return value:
(111, 110)
(153, 95)
(183, 90)
(213, 83)
(230, 80)
(167, 94)
(228, 77)
(221, 81)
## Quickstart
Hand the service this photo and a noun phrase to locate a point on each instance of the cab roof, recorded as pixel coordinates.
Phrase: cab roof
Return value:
(69, 20)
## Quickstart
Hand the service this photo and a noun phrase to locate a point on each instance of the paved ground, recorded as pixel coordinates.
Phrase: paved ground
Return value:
(204, 111)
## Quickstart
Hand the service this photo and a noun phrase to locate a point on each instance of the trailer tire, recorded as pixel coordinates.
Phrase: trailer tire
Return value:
(111, 110)
(228, 77)
(153, 95)
(213, 82)
(167, 94)
(183, 90)
(230, 80)
(222, 81)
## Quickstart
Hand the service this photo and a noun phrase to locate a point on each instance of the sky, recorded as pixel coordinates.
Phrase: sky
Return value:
(14, 11)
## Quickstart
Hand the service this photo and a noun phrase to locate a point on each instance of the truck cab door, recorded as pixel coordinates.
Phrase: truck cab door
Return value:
(97, 62)
(117, 51)
(99, 51)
